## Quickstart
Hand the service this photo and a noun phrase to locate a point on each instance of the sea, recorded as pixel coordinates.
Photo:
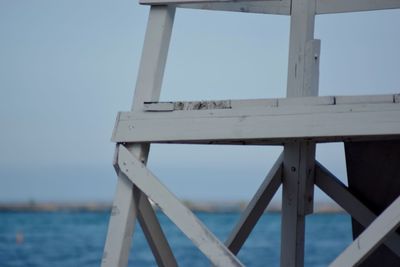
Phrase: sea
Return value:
(69, 239)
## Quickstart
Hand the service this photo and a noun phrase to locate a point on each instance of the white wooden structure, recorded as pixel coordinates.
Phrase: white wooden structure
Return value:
(297, 122)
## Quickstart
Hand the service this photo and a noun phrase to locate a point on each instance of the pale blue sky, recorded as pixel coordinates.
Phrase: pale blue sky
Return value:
(67, 67)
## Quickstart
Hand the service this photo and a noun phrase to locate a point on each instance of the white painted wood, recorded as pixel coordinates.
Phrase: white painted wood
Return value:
(256, 207)
(371, 238)
(340, 6)
(275, 102)
(121, 225)
(281, 7)
(272, 125)
(152, 231)
(297, 200)
(365, 99)
(154, 56)
(335, 189)
(253, 103)
(306, 101)
(301, 34)
(240, 104)
(297, 183)
(186, 221)
(158, 106)
(311, 66)
(174, 2)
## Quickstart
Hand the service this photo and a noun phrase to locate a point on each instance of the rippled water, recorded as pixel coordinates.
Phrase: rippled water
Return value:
(77, 239)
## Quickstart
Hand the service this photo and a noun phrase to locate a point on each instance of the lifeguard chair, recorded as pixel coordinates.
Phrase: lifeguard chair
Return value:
(368, 125)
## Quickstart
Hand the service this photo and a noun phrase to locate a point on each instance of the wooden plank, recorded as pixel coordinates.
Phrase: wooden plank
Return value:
(335, 189)
(301, 34)
(183, 218)
(271, 102)
(370, 239)
(158, 106)
(256, 207)
(121, 225)
(281, 7)
(153, 232)
(306, 101)
(297, 182)
(175, 2)
(297, 200)
(311, 66)
(341, 6)
(325, 122)
(154, 56)
(365, 99)
(238, 104)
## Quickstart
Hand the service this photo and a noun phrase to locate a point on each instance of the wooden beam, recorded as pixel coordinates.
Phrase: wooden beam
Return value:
(297, 200)
(299, 156)
(256, 207)
(277, 7)
(183, 218)
(125, 208)
(267, 125)
(336, 190)
(255, 103)
(341, 6)
(175, 2)
(153, 232)
(313, 48)
(120, 227)
(371, 238)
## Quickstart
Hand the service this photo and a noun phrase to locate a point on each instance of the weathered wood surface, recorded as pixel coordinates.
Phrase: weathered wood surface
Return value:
(279, 7)
(371, 238)
(341, 6)
(125, 205)
(262, 7)
(174, 2)
(339, 193)
(270, 102)
(331, 122)
(183, 218)
(299, 156)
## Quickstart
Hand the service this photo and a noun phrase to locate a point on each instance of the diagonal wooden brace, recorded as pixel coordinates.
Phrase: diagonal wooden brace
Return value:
(335, 189)
(152, 229)
(183, 218)
(371, 238)
(256, 207)
(130, 203)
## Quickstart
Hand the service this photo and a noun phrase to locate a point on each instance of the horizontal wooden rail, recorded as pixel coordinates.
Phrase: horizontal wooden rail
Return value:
(279, 7)
(264, 121)
(342, 6)
(371, 238)
(172, 2)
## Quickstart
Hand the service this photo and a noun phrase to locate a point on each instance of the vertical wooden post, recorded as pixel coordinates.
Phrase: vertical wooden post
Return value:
(148, 87)
(299, 157)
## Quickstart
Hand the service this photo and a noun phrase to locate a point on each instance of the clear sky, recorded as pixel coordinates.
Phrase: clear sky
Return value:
(67, 67)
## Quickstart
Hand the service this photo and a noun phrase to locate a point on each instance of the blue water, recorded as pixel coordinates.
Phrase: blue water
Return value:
(77, 239)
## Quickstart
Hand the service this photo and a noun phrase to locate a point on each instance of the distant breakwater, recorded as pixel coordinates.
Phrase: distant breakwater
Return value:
(196, 206)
